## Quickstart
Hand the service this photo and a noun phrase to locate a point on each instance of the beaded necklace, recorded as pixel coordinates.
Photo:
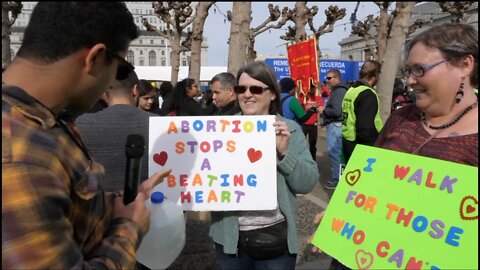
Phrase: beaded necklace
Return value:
(455, 120)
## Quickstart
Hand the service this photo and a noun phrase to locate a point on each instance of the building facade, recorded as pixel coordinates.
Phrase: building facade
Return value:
(354, 47)
(149, 49)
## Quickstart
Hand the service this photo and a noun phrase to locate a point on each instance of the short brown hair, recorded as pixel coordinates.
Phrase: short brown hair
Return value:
(336, 73)
(370, 69)
(262, 72)
(455, 42)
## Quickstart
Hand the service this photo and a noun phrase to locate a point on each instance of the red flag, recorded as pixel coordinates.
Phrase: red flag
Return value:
(302, 60)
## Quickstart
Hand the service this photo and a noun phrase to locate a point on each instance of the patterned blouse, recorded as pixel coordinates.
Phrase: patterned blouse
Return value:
(404, 132)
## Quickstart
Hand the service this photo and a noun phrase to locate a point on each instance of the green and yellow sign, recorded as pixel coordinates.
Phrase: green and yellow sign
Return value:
(393, 210)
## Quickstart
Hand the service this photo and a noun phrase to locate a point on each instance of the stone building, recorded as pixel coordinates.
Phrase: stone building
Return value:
(149, 49)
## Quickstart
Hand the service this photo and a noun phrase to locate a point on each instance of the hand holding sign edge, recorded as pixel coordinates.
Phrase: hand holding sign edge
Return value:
(316, 220)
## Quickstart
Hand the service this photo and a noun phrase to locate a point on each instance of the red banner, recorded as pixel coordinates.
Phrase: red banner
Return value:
(302, 59)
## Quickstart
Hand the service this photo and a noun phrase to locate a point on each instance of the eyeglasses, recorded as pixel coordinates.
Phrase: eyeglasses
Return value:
(124, 67)
(419, 70)
(329, 78)
(254, 89)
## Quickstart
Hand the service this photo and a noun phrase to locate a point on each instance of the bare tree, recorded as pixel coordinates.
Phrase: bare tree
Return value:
(239, 33)
(10, 11)
(177, 16)
(457, 10)
(264, 26)
(268, 24)
(197, 39)
(396, 39)
(390, 37)
(298, 16)
(363, 29)
(383, 24)
(333, 14)
(300, 19)
(301, 15)
(376, 38)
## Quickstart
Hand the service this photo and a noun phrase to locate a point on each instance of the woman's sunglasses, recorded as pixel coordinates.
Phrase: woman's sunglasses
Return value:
(254, 89)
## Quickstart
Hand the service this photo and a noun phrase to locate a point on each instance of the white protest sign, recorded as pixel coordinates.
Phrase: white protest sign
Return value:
(219, 163)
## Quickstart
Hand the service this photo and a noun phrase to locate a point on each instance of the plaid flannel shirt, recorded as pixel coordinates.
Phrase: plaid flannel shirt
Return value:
(55, 214)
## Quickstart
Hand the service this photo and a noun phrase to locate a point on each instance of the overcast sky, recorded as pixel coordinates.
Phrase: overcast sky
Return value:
(270, 44)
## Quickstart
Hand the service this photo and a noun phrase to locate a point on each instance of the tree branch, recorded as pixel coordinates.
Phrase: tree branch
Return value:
(162, 9)
(457, 10)
(333, 14)
(416, 25)
(274, 15)
(15, 7)
(167, 33)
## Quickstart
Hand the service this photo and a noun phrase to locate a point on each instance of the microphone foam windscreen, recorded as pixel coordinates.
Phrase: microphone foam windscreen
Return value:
(135, 146)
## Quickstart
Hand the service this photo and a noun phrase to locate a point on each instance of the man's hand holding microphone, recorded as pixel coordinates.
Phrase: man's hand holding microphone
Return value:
(131, 204)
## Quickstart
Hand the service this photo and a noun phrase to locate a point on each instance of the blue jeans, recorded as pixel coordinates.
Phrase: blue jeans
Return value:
(334, 146)
(242, 261)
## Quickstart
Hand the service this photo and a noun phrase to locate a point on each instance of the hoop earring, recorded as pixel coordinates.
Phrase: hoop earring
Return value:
(459, 94)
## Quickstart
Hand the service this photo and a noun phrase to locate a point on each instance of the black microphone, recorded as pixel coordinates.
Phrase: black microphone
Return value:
(134, 149)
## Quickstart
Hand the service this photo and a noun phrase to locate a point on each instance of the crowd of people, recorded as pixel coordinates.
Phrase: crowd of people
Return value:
(68, 104)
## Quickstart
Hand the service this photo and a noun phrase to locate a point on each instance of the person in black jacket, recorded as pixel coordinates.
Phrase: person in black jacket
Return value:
(224, 97)
(332, 118)
(361, 110)
(181, 101)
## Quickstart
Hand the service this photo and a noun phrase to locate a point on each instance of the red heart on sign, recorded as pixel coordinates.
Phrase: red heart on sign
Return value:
(254, 155)
(469, 208)
(364, 259)
(161, 158)
(352, 177)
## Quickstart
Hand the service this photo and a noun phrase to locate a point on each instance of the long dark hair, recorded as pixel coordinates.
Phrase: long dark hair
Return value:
(178, 97)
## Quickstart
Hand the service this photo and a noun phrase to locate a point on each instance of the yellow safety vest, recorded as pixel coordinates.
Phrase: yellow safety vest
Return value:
(348, 113)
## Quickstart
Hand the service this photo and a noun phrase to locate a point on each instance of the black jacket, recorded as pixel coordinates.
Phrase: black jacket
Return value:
(186, 107)
(232, 108)
(366, 107)
(333, 108)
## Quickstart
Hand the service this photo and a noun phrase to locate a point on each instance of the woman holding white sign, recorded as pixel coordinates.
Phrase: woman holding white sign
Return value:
(267, 239)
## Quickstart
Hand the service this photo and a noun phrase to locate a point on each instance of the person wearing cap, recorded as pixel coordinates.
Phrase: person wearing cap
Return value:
(291, 107)
(207, 100)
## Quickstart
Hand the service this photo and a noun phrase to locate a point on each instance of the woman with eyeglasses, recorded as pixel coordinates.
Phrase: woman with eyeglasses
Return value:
(267, 239)
(441, 68)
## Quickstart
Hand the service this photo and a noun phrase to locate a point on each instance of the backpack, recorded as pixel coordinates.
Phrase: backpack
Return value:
(283, 101)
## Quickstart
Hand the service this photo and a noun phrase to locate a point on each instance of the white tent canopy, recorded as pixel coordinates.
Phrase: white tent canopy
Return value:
(163, 73)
